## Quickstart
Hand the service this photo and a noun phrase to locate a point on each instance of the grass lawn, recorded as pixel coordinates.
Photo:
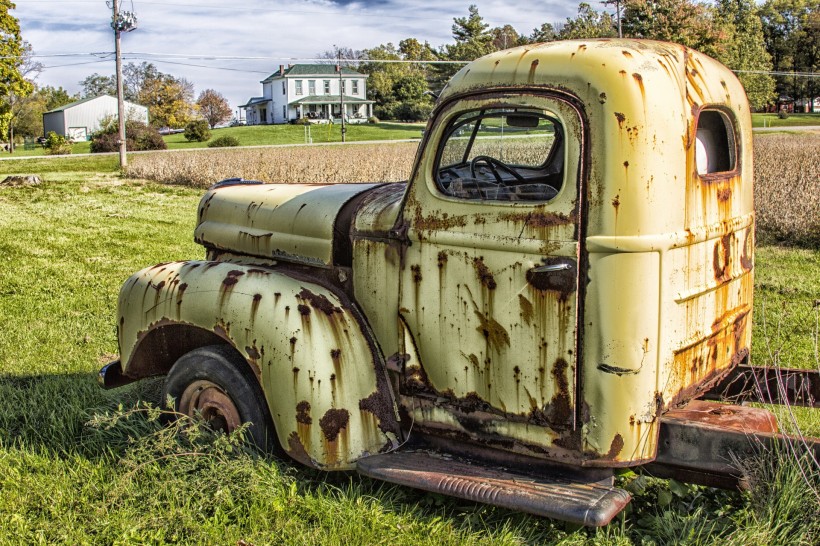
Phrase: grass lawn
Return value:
(79, 465)
(794, 120)
(262, 135)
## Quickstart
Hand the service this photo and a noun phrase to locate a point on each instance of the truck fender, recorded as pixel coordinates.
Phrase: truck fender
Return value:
(322, 374)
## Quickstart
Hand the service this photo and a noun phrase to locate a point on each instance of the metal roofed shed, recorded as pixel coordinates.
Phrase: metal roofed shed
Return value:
(80, 119)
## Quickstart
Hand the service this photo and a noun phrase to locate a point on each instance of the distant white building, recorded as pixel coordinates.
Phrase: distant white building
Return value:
(78, 120)
(310, 91)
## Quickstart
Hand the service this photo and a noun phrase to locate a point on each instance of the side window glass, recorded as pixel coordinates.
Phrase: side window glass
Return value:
(715, 150)
(502, 154)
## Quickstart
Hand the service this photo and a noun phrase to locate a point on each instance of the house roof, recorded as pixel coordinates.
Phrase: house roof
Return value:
(254, 101)
(330, 99)
(88, 99)
(313, 70)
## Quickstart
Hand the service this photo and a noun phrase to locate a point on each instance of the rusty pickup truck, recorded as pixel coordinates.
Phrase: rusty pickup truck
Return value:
(550, 296)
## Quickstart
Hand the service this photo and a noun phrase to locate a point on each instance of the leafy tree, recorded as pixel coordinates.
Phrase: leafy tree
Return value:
(744, 49)
(12, 51)
(545, 33)
(135, 77)
(505, 37)
(96, 85)
(169, 100)
(472, 40)
(685, 22)
(791, 30)
(29, 121)
(213, 107)
(19, 103)
(399, 89)
(588, 24)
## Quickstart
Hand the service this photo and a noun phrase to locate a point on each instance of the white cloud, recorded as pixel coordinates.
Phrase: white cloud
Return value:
(278, 31)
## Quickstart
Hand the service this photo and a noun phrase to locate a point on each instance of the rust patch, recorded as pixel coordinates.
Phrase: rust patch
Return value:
(539, 219)
(304, 310)
(297, 450)
(724, 194)
(303, 413)
(562, 282)
(493, 332)
(435, 223)
(639, 80)
(293, 341)
(332, 422)
(232, 278)
(533, 67)
(615, 447)
(485, 277)
(318, 302)
(527, 309)
(602, 98)
(621, 119)
(559, 410)
(253, 353)
(627, 54)
(442, 259)
(381, 408)
(335, 354)
(721, 258)
(746, 260)
(616, 202)
(416, 271)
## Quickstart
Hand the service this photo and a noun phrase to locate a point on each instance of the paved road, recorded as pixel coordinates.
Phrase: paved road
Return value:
(792, 128)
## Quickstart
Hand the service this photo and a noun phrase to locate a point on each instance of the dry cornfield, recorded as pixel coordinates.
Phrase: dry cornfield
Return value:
(787, 174)
(787, 188)
(389, 162)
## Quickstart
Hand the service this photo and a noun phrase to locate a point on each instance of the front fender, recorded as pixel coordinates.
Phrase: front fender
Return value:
(323, 379)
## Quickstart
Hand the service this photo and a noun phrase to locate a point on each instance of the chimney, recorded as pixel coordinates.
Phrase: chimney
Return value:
(281, 70)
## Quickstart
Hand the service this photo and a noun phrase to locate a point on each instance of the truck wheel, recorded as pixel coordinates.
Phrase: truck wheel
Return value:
(216, 384)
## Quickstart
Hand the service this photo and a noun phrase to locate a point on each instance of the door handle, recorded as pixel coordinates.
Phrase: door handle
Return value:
(552, 268)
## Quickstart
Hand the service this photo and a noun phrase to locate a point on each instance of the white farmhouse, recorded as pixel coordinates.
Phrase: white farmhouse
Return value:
(311, 91)
(78, 120)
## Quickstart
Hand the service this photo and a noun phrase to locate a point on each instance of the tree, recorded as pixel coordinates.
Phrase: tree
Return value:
(505, 37)
(684, 22)
(12, 81)
(791, 30)
(96, 85)
(213, 107)
(472, 40)
(29, 121)
(135, 77)
(18, 102)
(588, 24)
(399, 89)
(169, 101)
(544, 33)
(744, 49)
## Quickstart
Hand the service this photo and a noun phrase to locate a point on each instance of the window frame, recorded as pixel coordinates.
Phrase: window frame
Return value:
(730, 123)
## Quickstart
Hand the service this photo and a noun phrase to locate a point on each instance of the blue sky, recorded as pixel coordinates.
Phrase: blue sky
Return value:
(202, 40)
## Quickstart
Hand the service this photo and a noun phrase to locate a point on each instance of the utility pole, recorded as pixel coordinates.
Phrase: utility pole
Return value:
(121, 22)
(341, 92)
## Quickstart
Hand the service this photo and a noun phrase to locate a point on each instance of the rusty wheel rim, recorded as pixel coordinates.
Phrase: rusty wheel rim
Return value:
(209, 401)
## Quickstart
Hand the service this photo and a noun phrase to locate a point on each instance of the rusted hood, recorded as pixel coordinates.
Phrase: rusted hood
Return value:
(293, 222)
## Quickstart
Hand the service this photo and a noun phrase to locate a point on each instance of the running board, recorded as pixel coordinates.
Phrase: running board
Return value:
(587, 503)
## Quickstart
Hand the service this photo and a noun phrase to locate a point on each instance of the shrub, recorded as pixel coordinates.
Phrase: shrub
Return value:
(224, 142)
(784, 114)
(373, 120)
(138, 137)
(197, 131)
(301, 121)
(57, 144)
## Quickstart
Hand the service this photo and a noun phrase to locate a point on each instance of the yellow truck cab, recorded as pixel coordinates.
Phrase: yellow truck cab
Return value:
(569, 265)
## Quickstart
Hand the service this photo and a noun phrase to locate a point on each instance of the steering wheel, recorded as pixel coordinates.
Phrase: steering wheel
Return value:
(495, 165)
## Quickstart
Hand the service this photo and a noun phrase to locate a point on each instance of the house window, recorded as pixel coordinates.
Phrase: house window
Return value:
(284, 89)
(311, 87)
(327, 87)
(298, 87)
(285, 112)
(355, 87)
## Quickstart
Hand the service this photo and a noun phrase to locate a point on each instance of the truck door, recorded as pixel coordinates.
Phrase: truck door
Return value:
(489, 298)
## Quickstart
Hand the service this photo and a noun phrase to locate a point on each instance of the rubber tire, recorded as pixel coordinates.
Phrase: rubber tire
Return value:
(223, 366)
